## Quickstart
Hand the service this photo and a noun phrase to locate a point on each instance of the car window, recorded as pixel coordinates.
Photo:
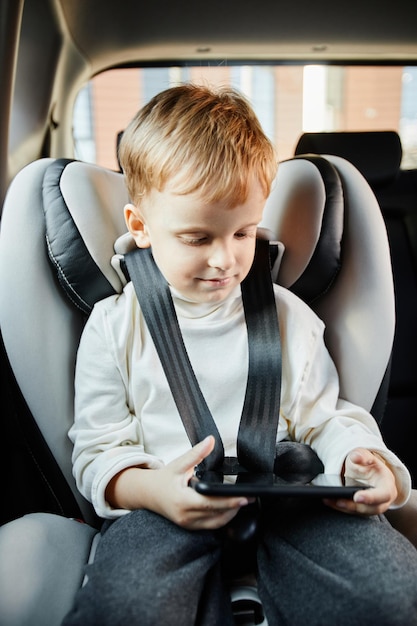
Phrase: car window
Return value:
(288, 99)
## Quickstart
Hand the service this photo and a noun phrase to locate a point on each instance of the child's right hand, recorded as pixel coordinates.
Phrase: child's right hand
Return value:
(166, 491)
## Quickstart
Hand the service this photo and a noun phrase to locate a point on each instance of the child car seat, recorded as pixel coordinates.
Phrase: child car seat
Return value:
(60, 221)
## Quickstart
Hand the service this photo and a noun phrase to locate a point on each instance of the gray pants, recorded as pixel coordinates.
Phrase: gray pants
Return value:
(315, 566)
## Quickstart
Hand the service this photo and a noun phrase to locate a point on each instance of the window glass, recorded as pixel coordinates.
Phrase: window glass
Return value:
(288, 99)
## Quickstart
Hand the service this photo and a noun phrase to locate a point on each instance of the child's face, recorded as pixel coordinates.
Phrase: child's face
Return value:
(203, 250)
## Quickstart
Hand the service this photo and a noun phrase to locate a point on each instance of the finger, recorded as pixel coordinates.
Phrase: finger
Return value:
(364, 503)
(375, 498)
(361, 457)
(351, 507)
(369, 470)
(370, 509)
(216, 504)
(343, 506)
(193, 457)
(211, 520)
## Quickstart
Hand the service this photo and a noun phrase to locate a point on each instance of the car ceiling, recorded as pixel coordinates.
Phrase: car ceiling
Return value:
(167, 29)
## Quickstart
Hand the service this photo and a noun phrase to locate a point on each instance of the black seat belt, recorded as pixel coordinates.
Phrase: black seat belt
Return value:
(259, 422)
(256, 442)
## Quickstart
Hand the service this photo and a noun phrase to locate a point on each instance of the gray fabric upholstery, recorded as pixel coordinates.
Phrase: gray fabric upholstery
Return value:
(41, 567)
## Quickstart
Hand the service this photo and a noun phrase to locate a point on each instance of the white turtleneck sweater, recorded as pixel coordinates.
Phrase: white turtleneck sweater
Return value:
(125, 414)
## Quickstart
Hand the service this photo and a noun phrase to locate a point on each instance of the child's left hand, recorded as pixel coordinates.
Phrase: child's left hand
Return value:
(366, 466)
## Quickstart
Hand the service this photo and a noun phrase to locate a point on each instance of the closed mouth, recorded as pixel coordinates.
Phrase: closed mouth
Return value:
(218, 282)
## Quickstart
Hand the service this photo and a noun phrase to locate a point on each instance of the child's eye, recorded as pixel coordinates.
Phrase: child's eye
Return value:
(194, 241)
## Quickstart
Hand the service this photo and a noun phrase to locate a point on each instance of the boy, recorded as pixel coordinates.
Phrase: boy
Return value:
(199, 169)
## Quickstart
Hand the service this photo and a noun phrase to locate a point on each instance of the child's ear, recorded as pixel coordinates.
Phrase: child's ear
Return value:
(137, 226)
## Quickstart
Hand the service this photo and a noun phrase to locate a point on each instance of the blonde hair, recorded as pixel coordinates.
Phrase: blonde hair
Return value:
(198, 140)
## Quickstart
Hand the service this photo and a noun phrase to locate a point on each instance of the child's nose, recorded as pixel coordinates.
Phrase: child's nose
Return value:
(221, 256)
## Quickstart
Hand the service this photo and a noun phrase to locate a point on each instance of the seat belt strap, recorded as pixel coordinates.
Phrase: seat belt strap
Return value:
(260, 415)
(154, 295)
(256, 443)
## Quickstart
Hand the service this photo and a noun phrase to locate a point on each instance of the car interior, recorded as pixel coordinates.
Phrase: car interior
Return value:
(352, 187)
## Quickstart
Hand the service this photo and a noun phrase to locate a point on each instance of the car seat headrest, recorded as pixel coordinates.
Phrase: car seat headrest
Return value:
(305, 211)
(80, 242)
(376, 154)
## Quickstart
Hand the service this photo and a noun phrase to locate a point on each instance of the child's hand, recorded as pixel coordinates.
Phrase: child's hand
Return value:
(364, 465)
(178, 502)
(166, 491)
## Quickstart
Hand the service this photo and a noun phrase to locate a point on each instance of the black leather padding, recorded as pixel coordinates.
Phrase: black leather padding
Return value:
(376, 154)
(79, 275)
(325, 262)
